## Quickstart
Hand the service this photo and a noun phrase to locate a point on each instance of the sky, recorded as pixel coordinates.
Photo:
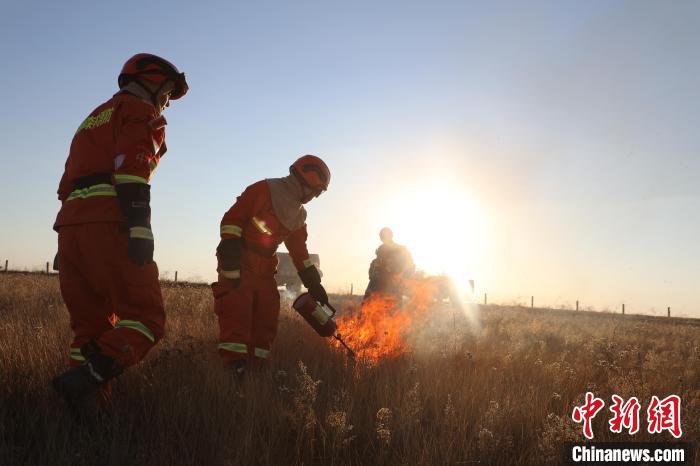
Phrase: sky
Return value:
(538, 148)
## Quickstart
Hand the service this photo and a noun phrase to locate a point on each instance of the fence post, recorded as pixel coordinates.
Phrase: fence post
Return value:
(176, 276)
(351, 288)
(47, 268)
(623, 308)
(532, 302)
(577, 304)
(669, 311)
(5, 265)
(486, 299)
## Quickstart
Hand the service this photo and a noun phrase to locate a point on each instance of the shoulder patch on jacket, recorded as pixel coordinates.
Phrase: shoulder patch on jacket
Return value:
(95, 121)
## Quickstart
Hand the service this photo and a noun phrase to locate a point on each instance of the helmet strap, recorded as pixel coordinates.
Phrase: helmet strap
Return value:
(154, 95)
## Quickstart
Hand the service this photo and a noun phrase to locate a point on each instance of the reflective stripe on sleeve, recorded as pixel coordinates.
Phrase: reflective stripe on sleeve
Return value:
(141, 232)
(231, 230)
(138, 326)
(121, 178)
(76, 355)
(234, 347)
(308, 263)
(231, 274)
(262, 353)
(92, 191)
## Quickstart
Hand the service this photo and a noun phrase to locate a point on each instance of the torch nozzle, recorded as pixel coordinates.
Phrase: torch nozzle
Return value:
(351, 353)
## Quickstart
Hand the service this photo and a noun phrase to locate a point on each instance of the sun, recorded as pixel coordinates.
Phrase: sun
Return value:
(442, 226)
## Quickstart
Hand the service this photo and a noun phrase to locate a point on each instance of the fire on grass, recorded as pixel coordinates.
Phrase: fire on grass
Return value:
(377, 329)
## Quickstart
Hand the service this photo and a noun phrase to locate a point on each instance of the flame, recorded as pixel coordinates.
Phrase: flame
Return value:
(377, 329)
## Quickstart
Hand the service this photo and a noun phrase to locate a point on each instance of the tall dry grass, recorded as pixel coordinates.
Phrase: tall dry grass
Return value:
(501, 394)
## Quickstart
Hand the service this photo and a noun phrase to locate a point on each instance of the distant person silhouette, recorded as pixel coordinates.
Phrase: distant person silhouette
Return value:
(389, 269)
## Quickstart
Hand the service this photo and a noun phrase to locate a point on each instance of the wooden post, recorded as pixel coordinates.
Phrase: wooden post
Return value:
(532, 302)
(176, 276)
(351, 289)
(47, 268)
(486, 299)
(5, 265)
(577, 304)
(669, 311)
(623, 308)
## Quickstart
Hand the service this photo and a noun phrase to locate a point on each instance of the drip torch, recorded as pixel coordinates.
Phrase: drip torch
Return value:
(320, 317)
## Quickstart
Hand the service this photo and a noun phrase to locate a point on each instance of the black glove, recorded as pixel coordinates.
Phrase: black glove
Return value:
(228, 253)
(312, 281)
(135, 201)
(140, 245)
(319, 293)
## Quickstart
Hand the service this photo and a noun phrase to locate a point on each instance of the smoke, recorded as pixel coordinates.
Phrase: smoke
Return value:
(443, 329)
(287, 294)
(428, 318)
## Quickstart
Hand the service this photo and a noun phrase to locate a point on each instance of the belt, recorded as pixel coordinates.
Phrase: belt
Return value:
(91, 180)
(97, 184)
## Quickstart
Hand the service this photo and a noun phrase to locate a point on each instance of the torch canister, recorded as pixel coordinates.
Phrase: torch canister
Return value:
(320, 317)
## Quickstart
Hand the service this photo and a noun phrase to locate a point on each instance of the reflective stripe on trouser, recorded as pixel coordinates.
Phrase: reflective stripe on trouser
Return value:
(76, 355)
(138, 326)
(99, 280)
(234, 347)
(248, 316)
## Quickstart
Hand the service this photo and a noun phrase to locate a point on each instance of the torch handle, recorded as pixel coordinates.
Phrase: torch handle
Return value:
(351, 353)
(331, 308)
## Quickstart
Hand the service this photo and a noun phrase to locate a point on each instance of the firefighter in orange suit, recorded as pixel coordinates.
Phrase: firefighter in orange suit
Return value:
(247, 302)
(109, 281)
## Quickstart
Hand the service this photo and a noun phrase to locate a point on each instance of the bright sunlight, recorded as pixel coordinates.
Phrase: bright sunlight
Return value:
(442, 226)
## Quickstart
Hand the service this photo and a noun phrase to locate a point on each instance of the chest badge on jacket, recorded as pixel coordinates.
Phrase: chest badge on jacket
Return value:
(261, 226)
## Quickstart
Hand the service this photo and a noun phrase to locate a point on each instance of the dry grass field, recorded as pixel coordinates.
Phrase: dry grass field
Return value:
(497, 392)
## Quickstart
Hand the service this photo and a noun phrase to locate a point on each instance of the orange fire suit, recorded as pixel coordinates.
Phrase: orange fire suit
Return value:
(248, 313)
(110, 299)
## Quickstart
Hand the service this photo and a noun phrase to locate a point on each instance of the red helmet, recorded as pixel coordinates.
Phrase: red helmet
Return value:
(312, 172)
(155, 69)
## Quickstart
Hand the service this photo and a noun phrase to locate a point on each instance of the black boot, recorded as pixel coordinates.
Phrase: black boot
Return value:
(78, 386)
